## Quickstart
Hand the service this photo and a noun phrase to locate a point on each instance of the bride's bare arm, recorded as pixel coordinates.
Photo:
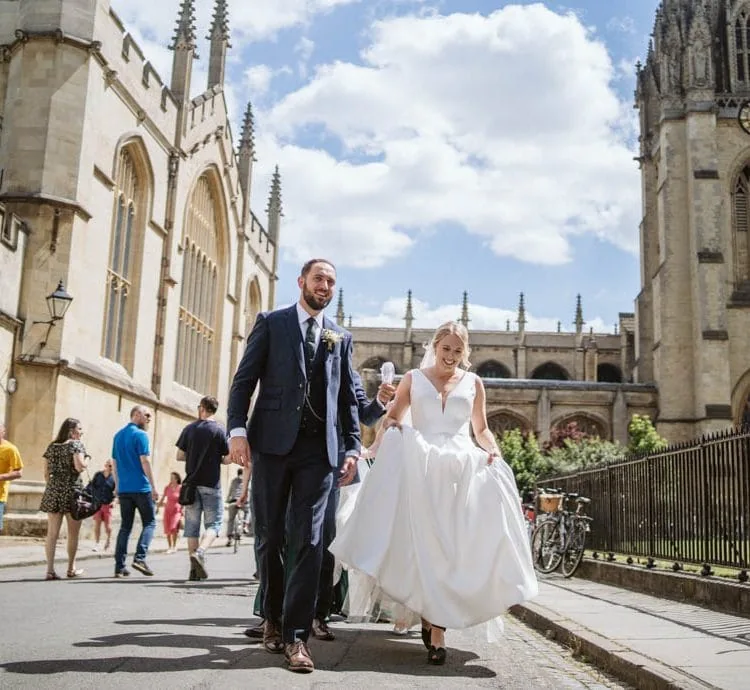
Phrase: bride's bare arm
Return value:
(400, 403)
(485, 438)
(396, 410)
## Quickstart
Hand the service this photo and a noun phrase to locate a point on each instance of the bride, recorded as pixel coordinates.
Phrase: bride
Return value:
(438, 521)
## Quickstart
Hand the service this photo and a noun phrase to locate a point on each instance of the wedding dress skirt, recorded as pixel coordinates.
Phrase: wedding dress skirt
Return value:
(438, 529)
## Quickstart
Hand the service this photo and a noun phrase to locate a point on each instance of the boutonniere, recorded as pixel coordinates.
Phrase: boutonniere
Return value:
(330, 338)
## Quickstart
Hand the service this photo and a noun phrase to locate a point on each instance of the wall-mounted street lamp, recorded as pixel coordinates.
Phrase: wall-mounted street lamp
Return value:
(58, 303)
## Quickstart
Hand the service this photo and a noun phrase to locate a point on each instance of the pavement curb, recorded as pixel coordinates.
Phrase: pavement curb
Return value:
(635, 669)
(64, 558)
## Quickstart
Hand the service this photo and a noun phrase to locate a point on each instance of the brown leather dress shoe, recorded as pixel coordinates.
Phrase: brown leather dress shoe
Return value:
(272, 638)
(298, 656)
(256, 632)
(321, 631)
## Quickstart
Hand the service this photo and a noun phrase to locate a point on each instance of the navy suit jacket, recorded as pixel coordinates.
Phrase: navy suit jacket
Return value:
(369, 412)
(274, 357)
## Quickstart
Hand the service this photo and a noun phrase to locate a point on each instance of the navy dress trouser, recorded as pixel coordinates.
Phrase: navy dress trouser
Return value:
(300, 482)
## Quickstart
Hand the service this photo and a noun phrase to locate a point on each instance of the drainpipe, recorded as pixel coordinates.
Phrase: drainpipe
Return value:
(165, 279)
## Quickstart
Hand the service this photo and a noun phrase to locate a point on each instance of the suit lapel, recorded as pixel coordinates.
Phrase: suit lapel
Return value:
(295, 338)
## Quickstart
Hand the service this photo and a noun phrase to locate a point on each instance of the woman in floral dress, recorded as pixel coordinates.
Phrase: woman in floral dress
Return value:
(64, 460)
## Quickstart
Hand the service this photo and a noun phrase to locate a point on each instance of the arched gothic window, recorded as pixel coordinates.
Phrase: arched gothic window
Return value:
(119, 322)
(493, 370)
(199, 299)
(550, 372)
(608, 373)
(741, 227)
(742, 47)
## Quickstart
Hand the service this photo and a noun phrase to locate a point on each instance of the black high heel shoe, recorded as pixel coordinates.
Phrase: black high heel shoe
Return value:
(426, 637)
(436, 655)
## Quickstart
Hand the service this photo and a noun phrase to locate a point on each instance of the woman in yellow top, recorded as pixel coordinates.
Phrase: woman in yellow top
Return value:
(11, 468)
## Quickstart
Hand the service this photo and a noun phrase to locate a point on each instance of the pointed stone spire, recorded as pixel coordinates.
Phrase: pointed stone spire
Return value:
(464, 320)
(507, 325)
(274, 209)
(349, 325)
(559, 326)
(184, 34)
(184, 47)
(409, 316)
(247, 135)
(340, 317)
(579, 315)
(219, 37)
(521, 320)
(246, 160)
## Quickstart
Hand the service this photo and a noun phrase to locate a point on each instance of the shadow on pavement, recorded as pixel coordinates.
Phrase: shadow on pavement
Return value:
(353, 650)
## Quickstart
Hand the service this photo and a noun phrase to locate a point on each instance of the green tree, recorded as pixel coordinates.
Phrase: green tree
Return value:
(643, 437)
(522, 453)
(580, 455)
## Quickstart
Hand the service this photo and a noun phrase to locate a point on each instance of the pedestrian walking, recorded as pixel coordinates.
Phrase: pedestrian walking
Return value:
(135, 489)
(203, 448)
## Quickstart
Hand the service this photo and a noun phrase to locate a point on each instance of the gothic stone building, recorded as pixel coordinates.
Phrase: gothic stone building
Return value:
(132, 192)
(686, 353)
(535, 381)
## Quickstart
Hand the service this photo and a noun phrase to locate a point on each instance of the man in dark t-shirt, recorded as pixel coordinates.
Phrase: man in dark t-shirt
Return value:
(203, 447)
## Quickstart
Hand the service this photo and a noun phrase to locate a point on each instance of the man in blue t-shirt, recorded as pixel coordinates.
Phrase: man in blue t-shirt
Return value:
(135, 488)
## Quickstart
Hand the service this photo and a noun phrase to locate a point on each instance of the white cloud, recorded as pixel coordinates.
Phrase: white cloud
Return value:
(258, 78)
(391, 312)
(506, 124)
(304, 50)
(624, 25)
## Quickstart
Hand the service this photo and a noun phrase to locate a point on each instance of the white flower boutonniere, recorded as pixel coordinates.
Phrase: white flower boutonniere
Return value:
(331, 338)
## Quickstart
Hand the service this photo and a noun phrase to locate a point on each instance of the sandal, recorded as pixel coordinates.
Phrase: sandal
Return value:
(75, 573)
(426, 637)
(52, 576)
(436, 655)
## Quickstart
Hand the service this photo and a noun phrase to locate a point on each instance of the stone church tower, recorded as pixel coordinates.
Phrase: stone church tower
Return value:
(693, 311)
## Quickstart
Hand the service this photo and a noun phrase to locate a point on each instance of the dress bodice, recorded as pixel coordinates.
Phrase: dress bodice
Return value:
(427, 412)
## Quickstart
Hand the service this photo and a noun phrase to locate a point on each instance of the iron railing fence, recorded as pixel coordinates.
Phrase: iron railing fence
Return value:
(689, 503)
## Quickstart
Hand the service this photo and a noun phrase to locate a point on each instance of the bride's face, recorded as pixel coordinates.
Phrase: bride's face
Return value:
(449, 352)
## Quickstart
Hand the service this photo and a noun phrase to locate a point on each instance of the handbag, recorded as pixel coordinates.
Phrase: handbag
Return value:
(83, 503)
(187, 493)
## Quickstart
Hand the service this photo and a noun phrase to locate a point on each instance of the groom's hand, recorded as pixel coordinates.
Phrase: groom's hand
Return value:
(239, 451)
(348, 470)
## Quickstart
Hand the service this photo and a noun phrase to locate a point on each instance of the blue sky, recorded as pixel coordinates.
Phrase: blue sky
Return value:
(442, 147)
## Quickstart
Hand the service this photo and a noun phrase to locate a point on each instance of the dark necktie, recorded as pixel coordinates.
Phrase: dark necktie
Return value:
(310, 343)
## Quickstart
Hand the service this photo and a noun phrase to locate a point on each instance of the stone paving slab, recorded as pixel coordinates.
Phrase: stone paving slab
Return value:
(649, 642)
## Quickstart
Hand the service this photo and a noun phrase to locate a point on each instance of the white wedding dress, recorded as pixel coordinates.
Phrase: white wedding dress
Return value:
(438, 529)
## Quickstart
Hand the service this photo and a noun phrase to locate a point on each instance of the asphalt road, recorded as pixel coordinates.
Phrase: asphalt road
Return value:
(162, 632)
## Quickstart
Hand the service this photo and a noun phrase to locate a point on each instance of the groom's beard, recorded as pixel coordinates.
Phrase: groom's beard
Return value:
(313, 301)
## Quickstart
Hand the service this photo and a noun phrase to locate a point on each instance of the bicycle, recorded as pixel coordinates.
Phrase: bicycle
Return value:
(237, 526)
(559, 540)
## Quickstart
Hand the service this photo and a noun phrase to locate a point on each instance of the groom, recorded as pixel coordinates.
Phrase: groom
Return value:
(303, 362)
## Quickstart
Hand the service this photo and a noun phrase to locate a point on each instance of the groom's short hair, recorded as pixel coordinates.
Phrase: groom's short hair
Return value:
(307, 267)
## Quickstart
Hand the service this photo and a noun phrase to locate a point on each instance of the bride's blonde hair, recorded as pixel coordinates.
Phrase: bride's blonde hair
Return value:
(457, 329)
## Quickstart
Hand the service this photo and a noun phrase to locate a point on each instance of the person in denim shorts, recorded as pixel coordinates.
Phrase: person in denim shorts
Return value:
(203, 447)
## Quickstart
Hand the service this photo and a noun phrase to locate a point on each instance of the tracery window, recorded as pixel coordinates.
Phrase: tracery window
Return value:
(119, 327)
(741, 227)
(197, 334)
(742, 46)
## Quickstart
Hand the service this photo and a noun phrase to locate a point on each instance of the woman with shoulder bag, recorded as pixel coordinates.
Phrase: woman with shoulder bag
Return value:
(64, 460)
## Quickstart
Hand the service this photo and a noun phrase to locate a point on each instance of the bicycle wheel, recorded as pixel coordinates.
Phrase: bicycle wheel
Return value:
(236, 543)
(574, 549)
(545, 546)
